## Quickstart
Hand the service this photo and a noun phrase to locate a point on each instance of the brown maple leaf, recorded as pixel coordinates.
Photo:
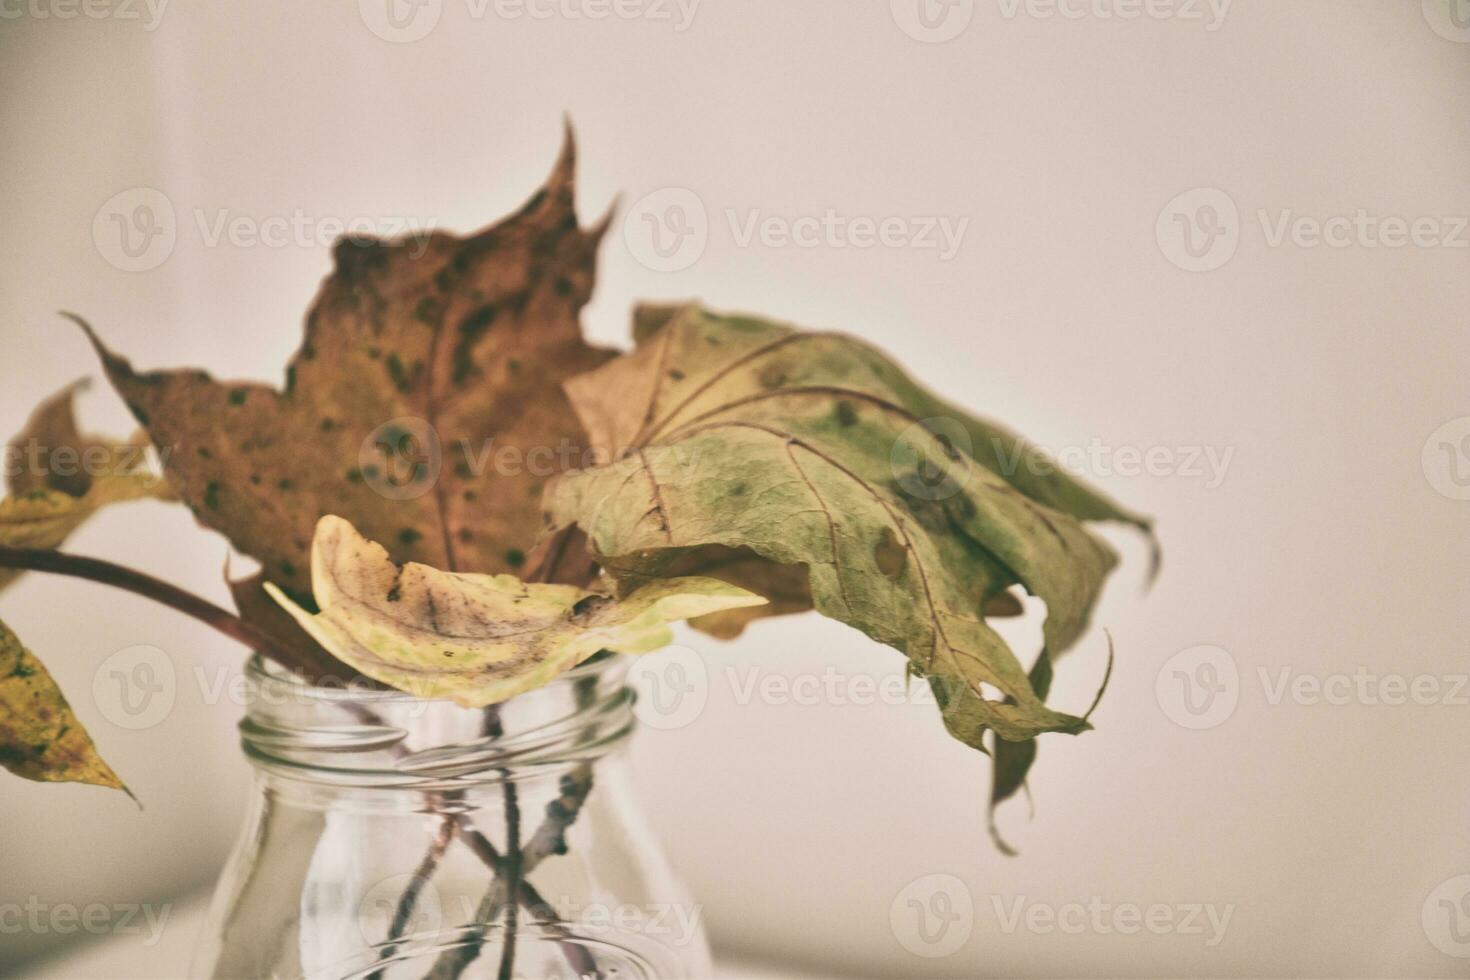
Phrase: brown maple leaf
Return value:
(425, 405)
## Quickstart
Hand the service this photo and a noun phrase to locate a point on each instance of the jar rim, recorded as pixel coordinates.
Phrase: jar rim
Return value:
(264, 673)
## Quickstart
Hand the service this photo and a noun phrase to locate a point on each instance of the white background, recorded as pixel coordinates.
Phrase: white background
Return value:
(1324, 370)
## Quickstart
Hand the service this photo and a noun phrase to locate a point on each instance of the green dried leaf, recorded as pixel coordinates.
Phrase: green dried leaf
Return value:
(425, 404)
(478, 639)
(815, 450)
(40, 738)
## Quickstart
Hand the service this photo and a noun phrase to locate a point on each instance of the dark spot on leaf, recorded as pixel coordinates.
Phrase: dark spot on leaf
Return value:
(466, 535)
(409, 536)
(947, 444)
(563, 286)
(397, 372)
(203, 452)
(846, 414)
(255, 479)
(470, 496)
(587, 606)
(237, 396)
(963, 504)
(889, 554)
(354, 475)
(462, 469)
(211, 495)
(772, 376)
(328, 425)
(471, 329)
(515, 558)
(374, 353)
(285, 485)
(430, 311)
(288, 569)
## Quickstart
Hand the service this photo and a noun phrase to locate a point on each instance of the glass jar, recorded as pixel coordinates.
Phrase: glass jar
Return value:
(395, 837)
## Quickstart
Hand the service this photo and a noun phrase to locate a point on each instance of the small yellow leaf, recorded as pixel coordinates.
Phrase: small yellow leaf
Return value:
(59, 478)
(478, 639)
(46, 518)
(40, 738)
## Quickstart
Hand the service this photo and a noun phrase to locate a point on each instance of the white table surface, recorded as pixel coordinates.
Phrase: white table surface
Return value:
(121, 958)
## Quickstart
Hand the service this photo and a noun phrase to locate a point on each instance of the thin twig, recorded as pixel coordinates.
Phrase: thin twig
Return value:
(403, 915)
(513, 875)
(549, 839)
(131, 580)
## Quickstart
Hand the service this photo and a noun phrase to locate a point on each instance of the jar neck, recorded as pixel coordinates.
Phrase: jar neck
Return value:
(373, 739)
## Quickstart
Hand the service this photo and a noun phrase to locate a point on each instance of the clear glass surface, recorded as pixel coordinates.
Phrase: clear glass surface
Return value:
(385, 833)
